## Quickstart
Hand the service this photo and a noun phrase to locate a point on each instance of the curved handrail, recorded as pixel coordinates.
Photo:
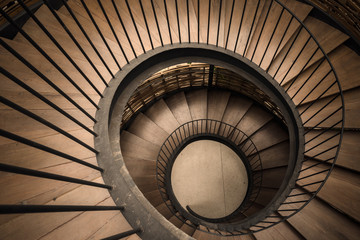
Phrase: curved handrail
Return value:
(218, 131)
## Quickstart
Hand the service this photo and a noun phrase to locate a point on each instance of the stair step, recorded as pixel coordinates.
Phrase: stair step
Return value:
(281, 231)
(187, 229)
(249, 19)
(146, 183)
(265, 195)
(269, 135)
(347, 66)
(318, 218)
(300, 9)
(179, 107)
(130, 147)
(329, 38)
(22, 188)
(236, 109)
(140, 167)
(341, 189)
(254, 119)
(160, 114)
(174, 220)
(217, 101)
(275, 156)
(114, 225)
(25, 156)
(145, 128)
(274, 177)
(197, 101)
(154, 197)
(93, 222)
(51, 221)
(164, 210)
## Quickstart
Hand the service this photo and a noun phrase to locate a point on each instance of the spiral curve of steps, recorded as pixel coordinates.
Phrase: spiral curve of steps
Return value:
(333, 214)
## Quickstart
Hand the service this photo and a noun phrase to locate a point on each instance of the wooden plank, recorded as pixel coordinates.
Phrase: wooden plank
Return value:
(341, 190)
(236, 109)
(319, 221)
(281, 231)
(275, 156)
(300, 9)
(130, 147)
(328, 37)
(197, 101)
(160, 114)
(179, 107)
(145, 128)
(349, 152)
(274, 177)
(37, 225)
(269, 135)
(347, 67)
(217, 102)
(254, 119)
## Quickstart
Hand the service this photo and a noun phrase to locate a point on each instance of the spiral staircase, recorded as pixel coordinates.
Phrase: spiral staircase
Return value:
(96, 96)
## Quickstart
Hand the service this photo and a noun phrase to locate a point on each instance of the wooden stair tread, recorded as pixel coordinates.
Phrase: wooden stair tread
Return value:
(319, 221)
(255, 118)
(179, 107)
(275, 156)
(281, 231)
(341, 189)
(329, 38)
(197, 101)
(236, 109)
(347, 66)
(300, 9)
(269, 135)
(160, 114)
(130, 143)
(145, 128)
(217, 101)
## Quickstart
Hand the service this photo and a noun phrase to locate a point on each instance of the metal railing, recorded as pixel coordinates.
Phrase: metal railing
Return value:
(310, 80)
(218, 131)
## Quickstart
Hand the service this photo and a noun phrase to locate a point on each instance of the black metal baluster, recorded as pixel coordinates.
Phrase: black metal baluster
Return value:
(281, 40)
(12, 209)
(272, 35)
(168, 22)
(188, 19)
(262, 29)
(230, 21)
(241, 21)
(135, 26)
(198, 23)
(112, 30)
(100, 33)
(41, 174)
(123, 26)
(35, 45)
(157, 23)
(45, 100)
(88, 39)
(146, 24)
(75, 41)
(218, 28)
(252, 26)
(297, 57)
(208, 27)
(30, 143)
(62, 50)
(178, 21)
(42, 76)
(45, 122)
(288, 51)
(303, 68)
